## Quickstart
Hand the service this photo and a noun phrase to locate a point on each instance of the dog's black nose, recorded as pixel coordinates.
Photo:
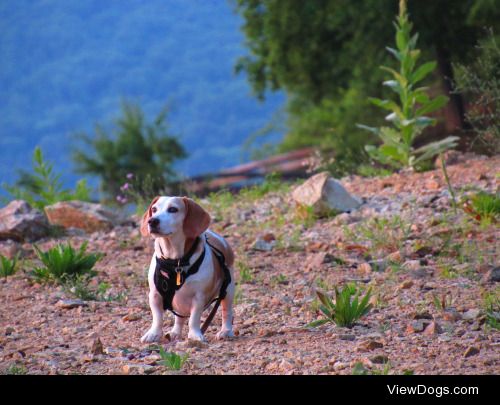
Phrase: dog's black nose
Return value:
(153, 222)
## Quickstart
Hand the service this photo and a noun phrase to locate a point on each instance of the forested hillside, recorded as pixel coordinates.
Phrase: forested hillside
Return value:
(66, 65)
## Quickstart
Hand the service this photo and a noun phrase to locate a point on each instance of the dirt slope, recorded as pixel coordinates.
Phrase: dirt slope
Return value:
(405, 242)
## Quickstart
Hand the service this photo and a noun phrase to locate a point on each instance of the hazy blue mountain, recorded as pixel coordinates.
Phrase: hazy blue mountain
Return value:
(66, 64)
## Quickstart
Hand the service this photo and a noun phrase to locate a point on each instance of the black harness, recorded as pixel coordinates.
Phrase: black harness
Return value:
(170, 275)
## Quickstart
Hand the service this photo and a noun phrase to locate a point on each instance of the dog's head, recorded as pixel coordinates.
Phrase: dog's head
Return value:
(170, 215)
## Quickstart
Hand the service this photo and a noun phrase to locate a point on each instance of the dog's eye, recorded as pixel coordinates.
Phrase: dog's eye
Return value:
(172, 209)
(154, 209)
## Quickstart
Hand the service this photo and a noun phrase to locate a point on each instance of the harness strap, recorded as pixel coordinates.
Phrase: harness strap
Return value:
(223, 290)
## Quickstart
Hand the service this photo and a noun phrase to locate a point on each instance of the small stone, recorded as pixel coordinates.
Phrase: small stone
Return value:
(263, 246)
(339, 366)
(412, 265)
(97, 347)
(432, 185)
(494, 275)
(406, 284)
(365, 268)
(348, 337)
(268, 237)
(471, 351)
(317, 260)
(471, 314)
(9, 330)
(9, 248)
(370, 345)
(394, 257)
(379, 359)
(69, 304)
(285, 365)
(451, 315)
(420, 273)
(422, 315)
(417, 326)
(433, 329)
(131, 317)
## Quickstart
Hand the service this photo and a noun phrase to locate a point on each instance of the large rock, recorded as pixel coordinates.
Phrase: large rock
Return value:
(82, 215)
(20, 222)
(325, 194)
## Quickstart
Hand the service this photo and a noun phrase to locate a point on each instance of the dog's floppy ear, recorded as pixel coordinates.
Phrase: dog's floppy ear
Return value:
(145, 218)
(196, 220)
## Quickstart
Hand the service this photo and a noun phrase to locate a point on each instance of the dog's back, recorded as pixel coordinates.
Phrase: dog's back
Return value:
(221, 244)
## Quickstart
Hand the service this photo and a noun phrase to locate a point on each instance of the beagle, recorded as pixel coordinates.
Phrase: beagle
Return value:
(185, 274)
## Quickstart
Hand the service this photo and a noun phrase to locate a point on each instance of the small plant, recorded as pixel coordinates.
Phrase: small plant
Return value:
(16, 369)
(279, 279)
(272, 182)
(359, 369)
(387, 234)
(409, 116)
(8, 266)
(63, 263)
(346, 310)
(172, 360)
(492, 307)
(245, 272)
(443, 302)
(305, 215)
(44, 187)
(483, 207)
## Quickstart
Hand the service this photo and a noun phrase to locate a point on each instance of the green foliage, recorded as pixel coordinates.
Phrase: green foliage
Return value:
(272, 182)
(172, 360)
(480, 83)
(43, 186)
(8, 266)
(16, 369)
(492, 307)
(324, 54)
(63, 263)
(347, 308)
(133, 146)
(359, 369)
(409, 116)
(245, 272)
(482, 206)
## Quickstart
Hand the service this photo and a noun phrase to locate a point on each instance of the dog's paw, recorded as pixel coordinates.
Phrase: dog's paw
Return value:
(173, 335)
(197, 336)
(152, 335)
(225, 334)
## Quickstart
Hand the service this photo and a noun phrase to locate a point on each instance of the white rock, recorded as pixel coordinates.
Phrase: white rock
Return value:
(325, 194)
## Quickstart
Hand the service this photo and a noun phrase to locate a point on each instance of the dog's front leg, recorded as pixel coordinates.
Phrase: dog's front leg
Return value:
(176, 331)
(195, 320)
(155, 333)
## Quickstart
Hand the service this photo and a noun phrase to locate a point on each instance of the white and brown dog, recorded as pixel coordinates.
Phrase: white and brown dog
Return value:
(180, 228)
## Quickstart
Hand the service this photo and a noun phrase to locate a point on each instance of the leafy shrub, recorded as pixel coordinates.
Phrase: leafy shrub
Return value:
(172, 360)
(64, 264)
(409, 116)
(346, 310)
(480, 82)
(79, 287)
(483, 206)
(43, 186)
(7, 266)
(135, 146)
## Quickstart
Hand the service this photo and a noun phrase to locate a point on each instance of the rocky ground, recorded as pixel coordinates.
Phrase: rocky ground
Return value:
(432, 272)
